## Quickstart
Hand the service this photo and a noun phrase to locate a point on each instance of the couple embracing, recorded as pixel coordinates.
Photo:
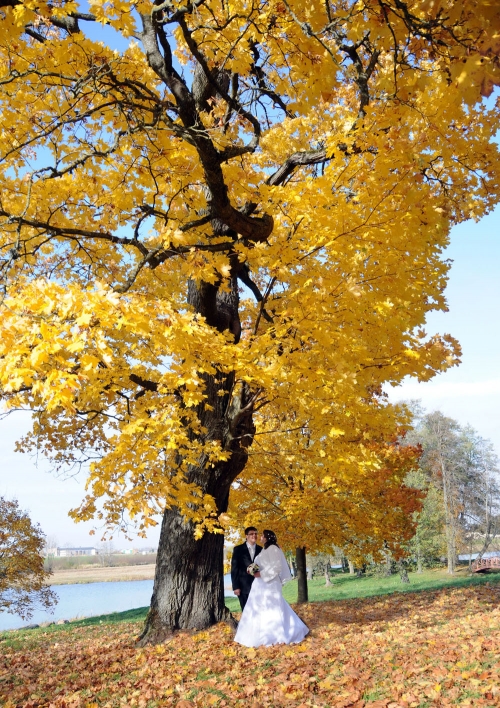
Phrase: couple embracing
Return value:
(257, 574)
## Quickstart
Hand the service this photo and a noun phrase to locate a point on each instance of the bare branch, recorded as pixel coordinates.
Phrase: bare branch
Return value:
(46, 226)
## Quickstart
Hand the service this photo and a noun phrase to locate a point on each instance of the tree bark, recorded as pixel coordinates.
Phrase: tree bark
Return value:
(352, 571)
(302, 589)
(327, 577)
(403, 572)
(188, 590)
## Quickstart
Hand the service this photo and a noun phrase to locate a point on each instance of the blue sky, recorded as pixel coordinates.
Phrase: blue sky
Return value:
(469, 393)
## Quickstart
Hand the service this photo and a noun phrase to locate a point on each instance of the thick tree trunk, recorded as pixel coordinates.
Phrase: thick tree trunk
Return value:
(302, 589)
(188, 590)
(352, 571)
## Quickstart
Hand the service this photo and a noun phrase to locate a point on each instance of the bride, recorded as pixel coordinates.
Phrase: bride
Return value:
(267, 618)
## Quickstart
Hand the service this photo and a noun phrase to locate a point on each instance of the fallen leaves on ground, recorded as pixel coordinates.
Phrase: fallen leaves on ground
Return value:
(399, 651)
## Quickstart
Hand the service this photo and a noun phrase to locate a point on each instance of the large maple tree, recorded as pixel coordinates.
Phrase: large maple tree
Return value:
(316, 152)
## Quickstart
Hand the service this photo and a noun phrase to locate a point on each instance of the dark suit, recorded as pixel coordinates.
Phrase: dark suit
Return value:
(240, 579)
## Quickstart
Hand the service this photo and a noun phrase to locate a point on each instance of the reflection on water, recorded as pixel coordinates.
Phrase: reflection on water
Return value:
(88, 599)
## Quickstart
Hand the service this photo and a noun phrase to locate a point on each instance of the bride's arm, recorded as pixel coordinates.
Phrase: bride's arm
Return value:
(269, 562)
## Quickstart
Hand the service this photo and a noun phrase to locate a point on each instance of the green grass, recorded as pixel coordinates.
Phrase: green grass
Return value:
(347, 587)
(343, 587)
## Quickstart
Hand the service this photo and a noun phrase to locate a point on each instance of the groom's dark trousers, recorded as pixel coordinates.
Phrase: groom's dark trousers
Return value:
(240, 579)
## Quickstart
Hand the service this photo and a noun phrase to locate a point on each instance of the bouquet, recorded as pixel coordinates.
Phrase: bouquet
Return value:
(253, 568)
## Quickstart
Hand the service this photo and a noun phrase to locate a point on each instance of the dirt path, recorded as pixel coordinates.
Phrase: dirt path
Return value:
(96, 574)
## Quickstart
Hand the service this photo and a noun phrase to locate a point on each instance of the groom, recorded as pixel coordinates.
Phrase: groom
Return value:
(243, 556)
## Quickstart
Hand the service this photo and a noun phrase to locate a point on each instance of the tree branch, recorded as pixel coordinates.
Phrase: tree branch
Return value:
(255, 229)
(144, 383)
(71, 231)
(298, 159)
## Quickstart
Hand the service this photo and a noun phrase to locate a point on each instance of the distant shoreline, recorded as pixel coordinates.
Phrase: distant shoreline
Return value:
(98, 574)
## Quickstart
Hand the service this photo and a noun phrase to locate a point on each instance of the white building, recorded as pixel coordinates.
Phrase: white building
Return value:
(77, 551)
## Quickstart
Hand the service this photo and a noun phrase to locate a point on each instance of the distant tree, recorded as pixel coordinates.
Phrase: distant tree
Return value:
(22, 573)
(49, 551)
(50, 545)
(479, 492)
(371, 513)
(460, 472)
(320, 564)
(440, 462)
(106, 552)
(429, 541)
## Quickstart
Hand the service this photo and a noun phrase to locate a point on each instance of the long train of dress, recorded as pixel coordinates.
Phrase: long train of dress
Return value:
(267, 618)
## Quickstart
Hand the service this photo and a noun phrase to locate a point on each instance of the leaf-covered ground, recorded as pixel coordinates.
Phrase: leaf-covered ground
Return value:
(421, 649)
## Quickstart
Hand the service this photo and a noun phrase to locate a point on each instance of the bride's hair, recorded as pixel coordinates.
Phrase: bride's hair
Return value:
(270, 537)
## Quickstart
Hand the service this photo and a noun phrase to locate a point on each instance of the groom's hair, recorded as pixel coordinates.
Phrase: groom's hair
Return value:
(248, 529)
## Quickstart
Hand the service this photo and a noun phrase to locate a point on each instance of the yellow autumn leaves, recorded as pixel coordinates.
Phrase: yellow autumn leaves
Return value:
(103, 223)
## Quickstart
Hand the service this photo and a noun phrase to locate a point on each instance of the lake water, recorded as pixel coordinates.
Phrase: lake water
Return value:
(89, 599)
(473, 556)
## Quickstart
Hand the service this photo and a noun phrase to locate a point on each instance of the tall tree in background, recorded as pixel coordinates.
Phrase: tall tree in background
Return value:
(480, 491)
(317, 152)
(429, 542)
(22, 574)
(459, 468)
(441, 459)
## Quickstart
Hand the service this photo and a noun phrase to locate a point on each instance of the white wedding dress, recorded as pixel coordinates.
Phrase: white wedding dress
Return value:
(267, 618)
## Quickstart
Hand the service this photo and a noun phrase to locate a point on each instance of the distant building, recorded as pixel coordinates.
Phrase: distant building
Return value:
(77, 551)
